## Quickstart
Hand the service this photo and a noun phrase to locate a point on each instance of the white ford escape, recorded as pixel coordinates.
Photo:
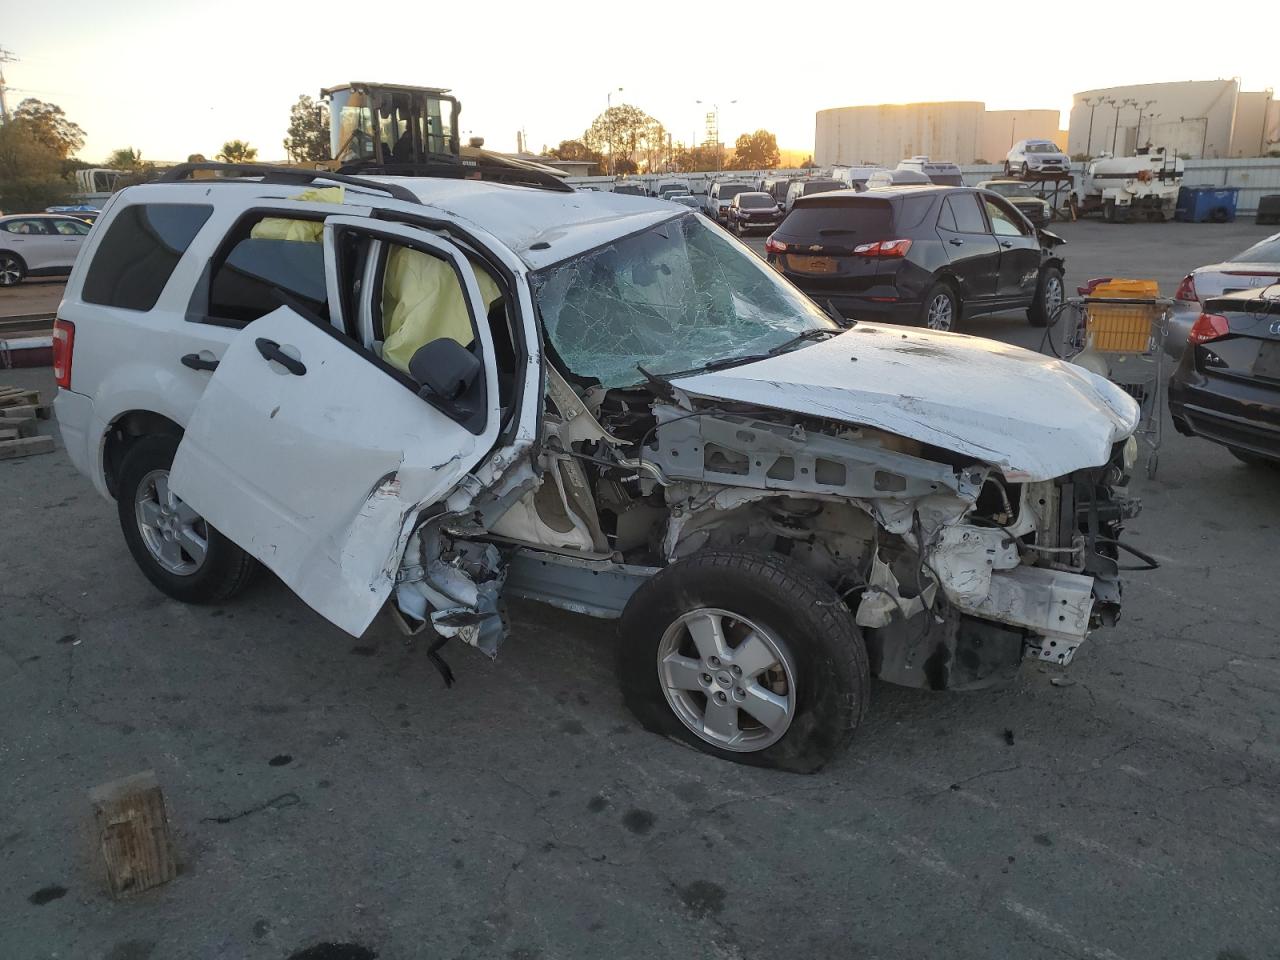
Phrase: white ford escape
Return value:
(443, 392)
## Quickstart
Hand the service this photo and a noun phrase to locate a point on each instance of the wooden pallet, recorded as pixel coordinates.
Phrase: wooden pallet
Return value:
(17, 402)
(19, 410)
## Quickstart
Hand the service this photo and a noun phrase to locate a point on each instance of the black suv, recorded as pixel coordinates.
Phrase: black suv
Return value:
(753, 211)
(918, 254)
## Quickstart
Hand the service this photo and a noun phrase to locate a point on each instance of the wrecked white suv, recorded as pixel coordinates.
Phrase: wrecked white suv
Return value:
(446, 392)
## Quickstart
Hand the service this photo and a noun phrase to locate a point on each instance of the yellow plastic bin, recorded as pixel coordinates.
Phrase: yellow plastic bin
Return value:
(1122, 327)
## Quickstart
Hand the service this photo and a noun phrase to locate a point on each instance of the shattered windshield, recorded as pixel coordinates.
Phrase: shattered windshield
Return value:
(671, 298)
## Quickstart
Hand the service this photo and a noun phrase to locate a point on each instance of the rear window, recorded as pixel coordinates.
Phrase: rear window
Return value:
(143, 245)
(947, 179)
(730, 190)
(753, 201)
(1268, 251)
(840, 219)
(268, 253)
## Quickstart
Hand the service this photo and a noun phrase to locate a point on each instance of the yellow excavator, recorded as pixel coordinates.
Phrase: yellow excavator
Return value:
(399, 130)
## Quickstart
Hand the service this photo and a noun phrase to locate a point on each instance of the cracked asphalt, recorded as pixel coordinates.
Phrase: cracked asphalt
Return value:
(329, 790)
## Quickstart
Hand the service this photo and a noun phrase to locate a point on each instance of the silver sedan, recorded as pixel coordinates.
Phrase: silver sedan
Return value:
(1254, 268)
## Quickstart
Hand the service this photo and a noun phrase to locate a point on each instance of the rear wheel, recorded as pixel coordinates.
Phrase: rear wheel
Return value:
(177, 549)
(746, 657)
(1049, 296)
(940, 309)
(12, 270)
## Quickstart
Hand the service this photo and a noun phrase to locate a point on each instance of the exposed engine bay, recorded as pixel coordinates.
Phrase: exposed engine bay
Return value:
(953, 573)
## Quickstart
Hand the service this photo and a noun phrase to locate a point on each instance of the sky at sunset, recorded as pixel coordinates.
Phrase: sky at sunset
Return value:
(174, 78)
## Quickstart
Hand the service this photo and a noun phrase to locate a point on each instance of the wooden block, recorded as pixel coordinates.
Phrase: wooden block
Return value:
(24, 427)
(25, 447)
(133, 834)
(20, 411)
(9, 433)
(15, 397)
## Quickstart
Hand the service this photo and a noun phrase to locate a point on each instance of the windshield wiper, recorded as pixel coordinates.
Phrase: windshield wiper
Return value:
(725, 362)
(801, 338)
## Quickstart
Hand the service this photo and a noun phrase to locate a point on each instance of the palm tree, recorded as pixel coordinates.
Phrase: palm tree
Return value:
(126, 158)
(237, 151)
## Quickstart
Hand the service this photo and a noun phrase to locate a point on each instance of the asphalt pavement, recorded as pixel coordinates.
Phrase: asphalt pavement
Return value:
(327, 790)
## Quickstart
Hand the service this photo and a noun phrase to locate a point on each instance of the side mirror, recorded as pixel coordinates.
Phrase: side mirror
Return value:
(444, 368)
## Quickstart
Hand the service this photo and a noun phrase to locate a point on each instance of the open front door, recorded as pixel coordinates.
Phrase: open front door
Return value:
(315, 456)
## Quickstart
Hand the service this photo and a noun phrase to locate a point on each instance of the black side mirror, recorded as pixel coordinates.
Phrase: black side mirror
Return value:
(444, 368)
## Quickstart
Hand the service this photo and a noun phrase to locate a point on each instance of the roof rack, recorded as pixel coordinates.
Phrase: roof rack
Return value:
(285, 175)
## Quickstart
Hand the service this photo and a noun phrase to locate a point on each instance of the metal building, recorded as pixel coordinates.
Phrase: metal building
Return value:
(1198, 119)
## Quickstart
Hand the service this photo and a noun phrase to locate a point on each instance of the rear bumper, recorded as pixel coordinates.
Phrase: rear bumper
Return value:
(74, 413)
(863, 308)
(1232, 413)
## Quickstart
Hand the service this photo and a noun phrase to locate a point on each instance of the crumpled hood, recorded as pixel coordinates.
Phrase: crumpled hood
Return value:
(1031, 416)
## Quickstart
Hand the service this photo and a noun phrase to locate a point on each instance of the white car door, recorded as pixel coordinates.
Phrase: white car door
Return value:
(315, 456)
(68, 238)
(33, 242)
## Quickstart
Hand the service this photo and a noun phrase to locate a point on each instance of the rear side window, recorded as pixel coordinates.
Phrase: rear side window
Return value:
(264, 254)
(966, 213)
(142, 247)
(842, 219)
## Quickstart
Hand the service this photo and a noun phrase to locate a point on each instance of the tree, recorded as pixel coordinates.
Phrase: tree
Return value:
(626, 132)
(756, 151)
(30, 168)
(308, 138)
(577, 150)
(698, 158)
(237, 151)
(125, 158)
(50, 126)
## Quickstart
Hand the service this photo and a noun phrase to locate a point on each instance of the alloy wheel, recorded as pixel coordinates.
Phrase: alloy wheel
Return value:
(941, 313)
(728, 679)
(174, 534)
(1052, 295)
(10, 271)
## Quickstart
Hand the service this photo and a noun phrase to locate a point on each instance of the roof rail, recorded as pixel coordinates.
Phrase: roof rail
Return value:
(287, 175)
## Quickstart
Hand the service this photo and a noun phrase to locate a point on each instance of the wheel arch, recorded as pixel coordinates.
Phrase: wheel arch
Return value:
(124, 431)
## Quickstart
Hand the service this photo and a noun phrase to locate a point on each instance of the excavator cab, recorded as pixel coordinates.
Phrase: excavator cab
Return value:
(392, 127)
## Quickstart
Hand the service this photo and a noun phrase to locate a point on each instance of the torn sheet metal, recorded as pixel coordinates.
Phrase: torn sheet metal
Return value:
(1052, 603)
(1033, 417)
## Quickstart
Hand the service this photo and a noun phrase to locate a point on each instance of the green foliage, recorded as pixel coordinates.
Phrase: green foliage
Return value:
(308, 138)
(756, 151)
(626, 133)
(237, 151)
(699, 159)
(125, 158)
(48, 124)
(30, 168)
(577, 150)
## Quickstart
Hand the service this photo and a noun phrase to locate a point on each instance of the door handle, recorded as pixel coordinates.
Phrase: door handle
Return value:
(955, 242)
(197, 362)
(1006, 244)
(270, 350)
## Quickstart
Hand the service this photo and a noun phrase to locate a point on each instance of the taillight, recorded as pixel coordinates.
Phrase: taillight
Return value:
(1187, 289)
(64, 341)
(1208, 326)
(885, 248)
(774, 246)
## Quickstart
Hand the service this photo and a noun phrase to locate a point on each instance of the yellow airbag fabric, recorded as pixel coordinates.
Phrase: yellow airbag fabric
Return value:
(304, 231)
(422, 301)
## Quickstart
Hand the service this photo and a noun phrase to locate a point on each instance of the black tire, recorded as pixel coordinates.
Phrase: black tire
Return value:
(226, 569)
(1040, 313)
(1108, 211)
(939, 289)
(1006, 168)
(12, 270)
(1253, 459)
(829, 658)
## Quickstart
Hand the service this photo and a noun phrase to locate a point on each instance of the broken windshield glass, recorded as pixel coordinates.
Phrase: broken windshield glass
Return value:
(671, 298)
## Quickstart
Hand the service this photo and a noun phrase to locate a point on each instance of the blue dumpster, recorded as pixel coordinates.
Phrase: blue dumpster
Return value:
(1198, 204)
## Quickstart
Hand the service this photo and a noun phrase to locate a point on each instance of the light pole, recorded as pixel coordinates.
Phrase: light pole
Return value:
(719, 143)
(608, 105)
(1092, 104)
(1142, 108)
(1120, 105)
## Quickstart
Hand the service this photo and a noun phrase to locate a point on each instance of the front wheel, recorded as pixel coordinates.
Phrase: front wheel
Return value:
(177, 549)
(746, 657)
(1048, 299)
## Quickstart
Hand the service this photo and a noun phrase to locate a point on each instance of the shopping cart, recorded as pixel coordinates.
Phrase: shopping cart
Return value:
(1117, 329)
